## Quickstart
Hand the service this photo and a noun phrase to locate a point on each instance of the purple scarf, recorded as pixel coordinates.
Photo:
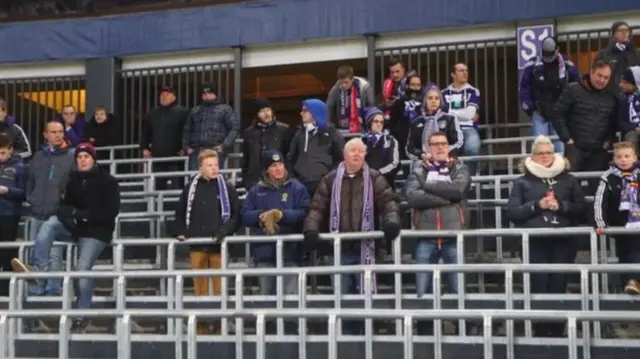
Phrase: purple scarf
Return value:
(367, 247)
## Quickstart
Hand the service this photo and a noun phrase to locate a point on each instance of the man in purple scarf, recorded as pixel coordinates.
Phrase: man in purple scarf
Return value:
(351, 198)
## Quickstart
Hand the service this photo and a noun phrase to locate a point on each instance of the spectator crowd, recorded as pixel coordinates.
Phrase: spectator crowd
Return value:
(310, 181)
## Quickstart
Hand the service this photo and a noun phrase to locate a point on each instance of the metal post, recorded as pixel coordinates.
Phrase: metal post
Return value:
(371, 59)
(237, 81)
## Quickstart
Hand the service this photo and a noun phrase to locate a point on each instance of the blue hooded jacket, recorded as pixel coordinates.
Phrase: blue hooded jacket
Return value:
(76, 133)
(318, 110)
(13, 175)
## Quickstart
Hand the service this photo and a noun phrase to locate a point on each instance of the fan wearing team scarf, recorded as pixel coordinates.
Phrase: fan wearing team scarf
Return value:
(433, 119)
(629, 118)
(208, 208)
(436, 192)
(382, 148)
(621, 52)
(617, 204)
(404, 111)
(395, 85)
(347, 100)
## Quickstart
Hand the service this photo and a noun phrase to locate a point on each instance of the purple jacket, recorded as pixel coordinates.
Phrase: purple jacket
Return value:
(75, 134)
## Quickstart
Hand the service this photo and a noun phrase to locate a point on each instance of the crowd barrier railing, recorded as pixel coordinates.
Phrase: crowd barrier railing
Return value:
(590, 275)
(125, 338)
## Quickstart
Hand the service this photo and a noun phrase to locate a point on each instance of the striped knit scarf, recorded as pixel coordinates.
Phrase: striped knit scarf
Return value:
(367, 247)
(629, 196)
(225, 205)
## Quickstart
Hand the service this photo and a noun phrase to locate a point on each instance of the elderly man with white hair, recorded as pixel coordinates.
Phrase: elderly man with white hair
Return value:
(353, 198)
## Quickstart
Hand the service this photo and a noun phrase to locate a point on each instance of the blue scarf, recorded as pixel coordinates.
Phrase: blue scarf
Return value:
(367, 247)
(225, 205)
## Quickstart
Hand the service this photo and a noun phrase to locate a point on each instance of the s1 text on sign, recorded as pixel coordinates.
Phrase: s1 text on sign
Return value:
(530, 42)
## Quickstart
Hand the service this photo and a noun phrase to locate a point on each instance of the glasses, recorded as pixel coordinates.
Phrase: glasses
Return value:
(438, 144)
(69, 113)
(543, 153)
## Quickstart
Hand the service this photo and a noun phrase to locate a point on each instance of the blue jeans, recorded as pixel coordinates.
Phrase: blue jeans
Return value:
(89, 250)
(540, 126)
(349, 283)
(427, 252)
(45, 257)
(193, 160)
(472, 146)
(268, 283)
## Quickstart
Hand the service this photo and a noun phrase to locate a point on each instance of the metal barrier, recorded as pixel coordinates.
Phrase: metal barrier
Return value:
(124, 339)
(140, 90)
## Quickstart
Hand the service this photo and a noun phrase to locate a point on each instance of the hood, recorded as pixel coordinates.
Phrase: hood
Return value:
(265, 182)
(215, 102)
(560, 164)
(428, 88)
(318, 110)
(13, 159)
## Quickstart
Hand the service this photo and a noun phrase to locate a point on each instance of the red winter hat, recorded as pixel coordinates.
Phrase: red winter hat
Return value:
(86, 147)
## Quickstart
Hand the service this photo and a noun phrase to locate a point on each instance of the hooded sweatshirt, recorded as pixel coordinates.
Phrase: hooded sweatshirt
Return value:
(316, 148)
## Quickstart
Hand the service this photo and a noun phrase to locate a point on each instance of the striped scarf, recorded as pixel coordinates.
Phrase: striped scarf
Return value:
(367, 247)
(629, 196)
(225, 205)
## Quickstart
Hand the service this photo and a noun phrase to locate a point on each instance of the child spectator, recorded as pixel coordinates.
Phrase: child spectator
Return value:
(617, 204)
(383, 152)
(103, 129)
(12, 183)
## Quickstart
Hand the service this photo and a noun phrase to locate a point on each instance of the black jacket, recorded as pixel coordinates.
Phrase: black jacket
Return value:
(90, 204)
(403, 113)
(205, 219)
(162, 130)
(606, 203)
(322, 153)
(620, 61)
(258, 138)
(523, 208)
(446, 123)
(383, 155)
(21, 145)
(586, 115)
(210, 124)
(108, 133)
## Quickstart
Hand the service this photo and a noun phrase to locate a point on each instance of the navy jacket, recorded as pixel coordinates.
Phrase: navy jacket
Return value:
(13, 175)
(292, 198)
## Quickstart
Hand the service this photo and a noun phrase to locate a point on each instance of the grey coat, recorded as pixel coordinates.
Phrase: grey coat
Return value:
(48, 175)
(367, 98)
(438, 204)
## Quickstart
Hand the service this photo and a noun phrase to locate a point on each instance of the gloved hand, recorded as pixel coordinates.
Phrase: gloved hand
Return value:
(391, 231)
(270, 220)
(310, 240)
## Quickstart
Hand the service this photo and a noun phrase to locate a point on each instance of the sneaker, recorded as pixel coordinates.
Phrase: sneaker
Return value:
(79, 326)
(20, 267)
(632, 287)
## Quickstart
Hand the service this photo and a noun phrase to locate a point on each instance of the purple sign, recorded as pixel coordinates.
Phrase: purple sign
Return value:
(529, 42)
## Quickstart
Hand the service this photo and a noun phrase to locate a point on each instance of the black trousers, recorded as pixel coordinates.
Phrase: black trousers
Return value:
(167, 183)
(8, 233)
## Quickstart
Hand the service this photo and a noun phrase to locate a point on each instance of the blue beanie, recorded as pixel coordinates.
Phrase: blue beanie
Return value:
(370, 113)
(318, 110)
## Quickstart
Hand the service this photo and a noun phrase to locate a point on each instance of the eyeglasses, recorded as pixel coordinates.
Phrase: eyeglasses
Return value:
(438, 144)
(543, 153)
(68, 113)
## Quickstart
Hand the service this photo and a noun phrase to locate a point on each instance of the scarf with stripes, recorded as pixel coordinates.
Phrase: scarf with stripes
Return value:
(367, 247)
(225, 205)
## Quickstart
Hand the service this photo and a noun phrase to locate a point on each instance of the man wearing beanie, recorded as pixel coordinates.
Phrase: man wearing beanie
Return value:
(90, 205)
(630, 106)
(211, 125)
(266, 133)
(316, 148)
(621, 53)
(276, 205)
(382, 148)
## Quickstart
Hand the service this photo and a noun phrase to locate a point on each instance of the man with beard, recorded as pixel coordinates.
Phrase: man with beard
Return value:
(543, 80)
(586, 120)
(621, 53)
(351, 198)
(396, 84)
(264, 134)
(404, 111)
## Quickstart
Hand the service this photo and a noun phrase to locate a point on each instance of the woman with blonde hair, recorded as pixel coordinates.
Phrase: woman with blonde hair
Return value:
(547, 195)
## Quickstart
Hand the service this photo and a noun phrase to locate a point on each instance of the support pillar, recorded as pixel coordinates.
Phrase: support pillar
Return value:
(103, 84)
(371, 59)
(237, 81)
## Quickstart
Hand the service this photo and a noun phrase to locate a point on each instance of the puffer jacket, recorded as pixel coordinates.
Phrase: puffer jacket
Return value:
(523, 208)
(438, 204)
(386, 205)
